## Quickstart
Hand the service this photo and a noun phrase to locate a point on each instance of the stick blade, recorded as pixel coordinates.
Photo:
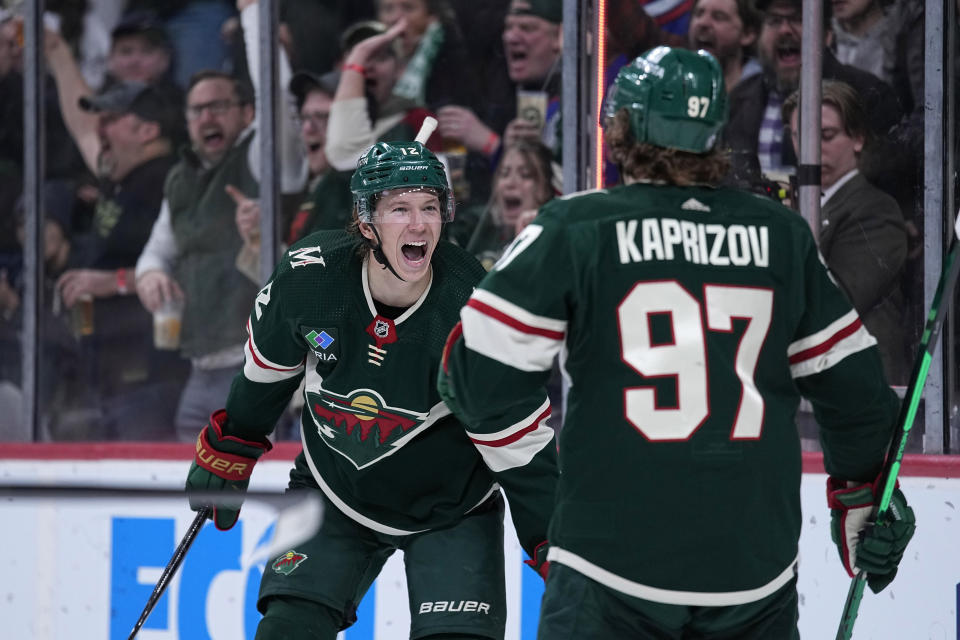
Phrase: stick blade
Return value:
(296, 523)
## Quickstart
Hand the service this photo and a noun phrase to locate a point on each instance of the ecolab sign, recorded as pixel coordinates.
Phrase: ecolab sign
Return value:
(85, 568)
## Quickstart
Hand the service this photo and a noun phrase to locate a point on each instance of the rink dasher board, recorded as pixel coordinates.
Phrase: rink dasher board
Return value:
(84, 568)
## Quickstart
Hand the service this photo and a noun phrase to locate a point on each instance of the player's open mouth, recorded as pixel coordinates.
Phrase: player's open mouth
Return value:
(414, 252)
(313, 147)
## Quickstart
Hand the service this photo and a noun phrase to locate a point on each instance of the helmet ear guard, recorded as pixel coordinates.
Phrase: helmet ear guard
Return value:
(398, 165)
(675, 98)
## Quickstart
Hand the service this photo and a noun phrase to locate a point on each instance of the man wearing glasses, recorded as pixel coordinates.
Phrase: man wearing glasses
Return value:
(755, 129)
(192, 252)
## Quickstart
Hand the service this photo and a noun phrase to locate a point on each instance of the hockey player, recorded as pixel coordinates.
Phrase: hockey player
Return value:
(690, 319)
(363, 317)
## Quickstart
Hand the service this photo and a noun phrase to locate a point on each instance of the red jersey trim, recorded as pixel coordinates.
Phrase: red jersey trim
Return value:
(827, 344)
(510, 321)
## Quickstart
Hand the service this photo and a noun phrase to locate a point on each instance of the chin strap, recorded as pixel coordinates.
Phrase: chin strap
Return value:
(379, 255)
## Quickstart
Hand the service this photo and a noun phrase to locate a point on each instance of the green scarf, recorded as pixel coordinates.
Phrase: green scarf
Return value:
(413, 83)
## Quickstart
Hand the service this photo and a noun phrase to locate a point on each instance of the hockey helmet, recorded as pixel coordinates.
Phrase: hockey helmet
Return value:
(398, 165)
(675, 98)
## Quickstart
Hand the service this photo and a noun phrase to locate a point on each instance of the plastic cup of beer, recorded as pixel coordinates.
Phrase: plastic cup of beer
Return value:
(166, 325)
(81, 316)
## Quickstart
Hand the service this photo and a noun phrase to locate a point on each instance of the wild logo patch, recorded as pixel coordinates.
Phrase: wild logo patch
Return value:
(361, 425)
(289, 561)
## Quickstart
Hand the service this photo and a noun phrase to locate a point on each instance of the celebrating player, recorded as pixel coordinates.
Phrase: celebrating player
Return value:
(690, 319)
(363, 316)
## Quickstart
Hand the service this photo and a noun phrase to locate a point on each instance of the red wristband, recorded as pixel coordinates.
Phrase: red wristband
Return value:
(359, 68)
(491, 144)
(122, 282)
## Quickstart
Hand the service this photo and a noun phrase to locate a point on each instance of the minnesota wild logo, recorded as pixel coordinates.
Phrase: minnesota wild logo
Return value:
(361, 426)
(289, 561)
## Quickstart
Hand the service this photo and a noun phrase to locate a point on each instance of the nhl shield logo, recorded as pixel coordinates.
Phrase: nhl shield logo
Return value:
(289, 561)
(383, 331)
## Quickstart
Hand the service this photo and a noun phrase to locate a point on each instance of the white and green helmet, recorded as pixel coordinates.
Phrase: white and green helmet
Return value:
(398, 165)
(675, 98)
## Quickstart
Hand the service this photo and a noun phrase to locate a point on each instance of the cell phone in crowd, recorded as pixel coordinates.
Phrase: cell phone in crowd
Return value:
(532, 107)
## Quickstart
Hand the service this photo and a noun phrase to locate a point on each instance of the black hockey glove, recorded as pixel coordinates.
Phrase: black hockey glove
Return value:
(865, 545)
(222, 463)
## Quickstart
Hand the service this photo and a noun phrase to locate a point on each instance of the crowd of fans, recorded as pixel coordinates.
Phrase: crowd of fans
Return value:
(152, 162)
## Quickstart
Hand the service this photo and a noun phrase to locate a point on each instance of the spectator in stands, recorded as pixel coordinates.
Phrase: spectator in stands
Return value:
(364, 109)
(532, 42)
(62, 160)
(63, 392)
(140, 51)
(885, 38)
(328, 202)
(755, 129)
(522, 183)
(728, 29)
(126, 136)
(431, 55)
(862, 234)
(193, 247)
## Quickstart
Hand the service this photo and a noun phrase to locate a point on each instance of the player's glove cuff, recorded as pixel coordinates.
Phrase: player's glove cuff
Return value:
(222, 463)
(538, 562)
(864, 545)
(228, 457)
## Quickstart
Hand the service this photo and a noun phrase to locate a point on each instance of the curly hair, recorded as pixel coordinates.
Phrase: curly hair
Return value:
(643, 161)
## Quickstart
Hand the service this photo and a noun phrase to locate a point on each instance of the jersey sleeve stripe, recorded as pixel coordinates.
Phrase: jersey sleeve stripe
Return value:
(488, 336)
(817, 360)
(258, 368)
(518, 316)
(525, 440)
(513, 322)
(822, 337)
(513, 432)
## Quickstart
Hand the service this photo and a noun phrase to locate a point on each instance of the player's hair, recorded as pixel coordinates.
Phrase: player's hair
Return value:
(643, 161)
(842, 97)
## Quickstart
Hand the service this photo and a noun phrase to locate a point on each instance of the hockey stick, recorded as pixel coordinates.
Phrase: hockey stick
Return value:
(172, 567)
(908, 411)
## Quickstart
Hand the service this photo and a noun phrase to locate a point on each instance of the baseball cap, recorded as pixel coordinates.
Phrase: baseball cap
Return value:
(303, 82)
(143, 22)
(137, 98)
(360, 31)
(549, 10)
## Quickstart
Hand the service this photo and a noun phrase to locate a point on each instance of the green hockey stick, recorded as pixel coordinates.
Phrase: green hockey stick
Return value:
(908, 411)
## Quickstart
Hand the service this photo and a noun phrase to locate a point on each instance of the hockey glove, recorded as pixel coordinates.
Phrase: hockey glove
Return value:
(865, 545)
(539, 562)
(222, 463)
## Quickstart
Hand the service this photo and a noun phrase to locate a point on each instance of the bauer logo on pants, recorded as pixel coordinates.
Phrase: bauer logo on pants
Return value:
(289, 561)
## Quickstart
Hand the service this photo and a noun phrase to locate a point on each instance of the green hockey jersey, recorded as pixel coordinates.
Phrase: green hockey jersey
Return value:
(689, 321)
(377, 438)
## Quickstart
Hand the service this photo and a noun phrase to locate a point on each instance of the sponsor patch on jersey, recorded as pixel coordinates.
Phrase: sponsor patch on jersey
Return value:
(289, 561)
(323, 341)
(361, 426)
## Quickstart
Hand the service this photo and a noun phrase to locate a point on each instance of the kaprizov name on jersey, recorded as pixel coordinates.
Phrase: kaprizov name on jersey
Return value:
(714, 244)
